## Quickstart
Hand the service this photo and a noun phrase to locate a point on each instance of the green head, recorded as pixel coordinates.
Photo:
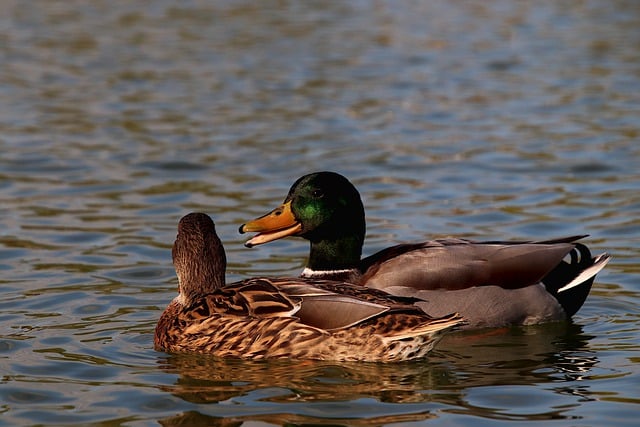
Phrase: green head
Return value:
(324, 208)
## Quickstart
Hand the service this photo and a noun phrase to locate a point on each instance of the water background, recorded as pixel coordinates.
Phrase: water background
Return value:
(490, 120)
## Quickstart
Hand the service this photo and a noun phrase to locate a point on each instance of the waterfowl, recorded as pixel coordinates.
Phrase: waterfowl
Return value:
(297, 318)
(491, 284)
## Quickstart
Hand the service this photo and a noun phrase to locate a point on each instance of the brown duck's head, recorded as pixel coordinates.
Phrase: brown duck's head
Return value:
(320, 206)
(198, 257)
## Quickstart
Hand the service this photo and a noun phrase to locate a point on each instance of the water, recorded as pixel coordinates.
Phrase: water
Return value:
(494, 120)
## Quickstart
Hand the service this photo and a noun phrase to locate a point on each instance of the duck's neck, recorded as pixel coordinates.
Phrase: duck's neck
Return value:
(341, 253)
(199, 280)
(350, 275)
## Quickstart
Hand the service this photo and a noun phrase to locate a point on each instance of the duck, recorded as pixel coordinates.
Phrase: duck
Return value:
(296, 318)
(490, 283)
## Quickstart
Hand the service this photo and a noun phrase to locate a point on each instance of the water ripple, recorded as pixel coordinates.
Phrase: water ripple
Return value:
(490, 121)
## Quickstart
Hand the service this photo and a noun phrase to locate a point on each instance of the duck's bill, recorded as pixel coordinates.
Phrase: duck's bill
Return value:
(275, 225)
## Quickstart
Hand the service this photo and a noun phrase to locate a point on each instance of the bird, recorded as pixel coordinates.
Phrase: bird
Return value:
(490, 283)
(296, 318)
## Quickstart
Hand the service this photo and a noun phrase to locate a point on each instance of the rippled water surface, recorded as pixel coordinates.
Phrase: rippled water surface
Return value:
(495, 119)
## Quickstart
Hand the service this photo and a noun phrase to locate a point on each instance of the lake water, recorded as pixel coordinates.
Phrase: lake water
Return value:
(490, 120)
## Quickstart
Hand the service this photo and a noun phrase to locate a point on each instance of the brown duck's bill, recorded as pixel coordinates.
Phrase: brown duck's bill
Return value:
(275, 225)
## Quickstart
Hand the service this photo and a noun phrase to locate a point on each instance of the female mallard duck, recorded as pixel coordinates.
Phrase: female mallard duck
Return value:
(489, 283)
(275, 318)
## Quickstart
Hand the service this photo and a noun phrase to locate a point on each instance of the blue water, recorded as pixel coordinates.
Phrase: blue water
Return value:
(496, 120)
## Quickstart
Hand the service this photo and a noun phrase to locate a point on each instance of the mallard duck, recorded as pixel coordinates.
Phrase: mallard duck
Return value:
(490, 284)
(297, 318)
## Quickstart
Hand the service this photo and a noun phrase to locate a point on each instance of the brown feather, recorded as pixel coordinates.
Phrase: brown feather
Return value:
(463, 264)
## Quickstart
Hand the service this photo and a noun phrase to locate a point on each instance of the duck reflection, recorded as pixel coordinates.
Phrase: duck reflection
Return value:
(520, 355)
(553, 353)
(196, 419)
(208, 380)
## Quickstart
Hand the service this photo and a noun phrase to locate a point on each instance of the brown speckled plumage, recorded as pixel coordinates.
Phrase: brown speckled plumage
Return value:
(285, 317)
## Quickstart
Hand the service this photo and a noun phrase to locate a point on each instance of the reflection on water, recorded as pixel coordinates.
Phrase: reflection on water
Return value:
(509, 358)
(198, 419)
(492, 120)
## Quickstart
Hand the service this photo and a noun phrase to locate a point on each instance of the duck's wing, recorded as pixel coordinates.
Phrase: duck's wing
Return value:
(454, 264)
(320, 304)
(335, 305)
(253, 298)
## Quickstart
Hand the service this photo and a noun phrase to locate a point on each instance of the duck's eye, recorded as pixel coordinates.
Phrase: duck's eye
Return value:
(318, 194)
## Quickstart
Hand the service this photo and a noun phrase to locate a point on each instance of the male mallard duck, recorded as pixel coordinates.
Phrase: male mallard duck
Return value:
(489, 283)
(295, 318)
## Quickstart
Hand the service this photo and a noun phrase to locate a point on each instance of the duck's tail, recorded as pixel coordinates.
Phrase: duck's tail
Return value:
(416, 341)
(433, 326)
(570, 282)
